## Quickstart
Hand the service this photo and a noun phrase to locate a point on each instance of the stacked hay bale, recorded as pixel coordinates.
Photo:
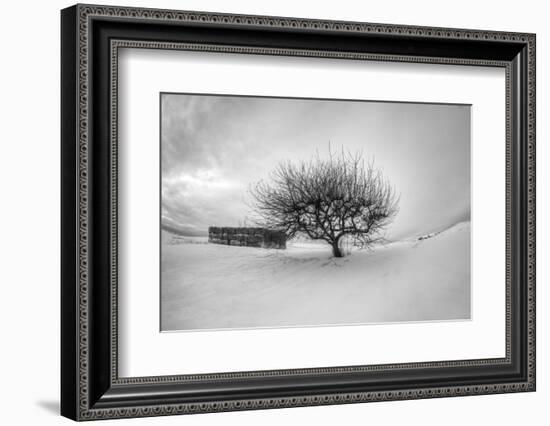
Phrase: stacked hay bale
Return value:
(249, 237)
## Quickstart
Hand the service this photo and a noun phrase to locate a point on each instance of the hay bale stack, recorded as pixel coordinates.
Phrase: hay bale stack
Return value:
(248, 237)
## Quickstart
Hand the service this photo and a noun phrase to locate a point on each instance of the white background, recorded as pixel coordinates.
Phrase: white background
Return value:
(29, 225)
(146, 352)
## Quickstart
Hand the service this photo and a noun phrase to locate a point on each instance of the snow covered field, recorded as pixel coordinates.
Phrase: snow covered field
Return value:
(211, 286)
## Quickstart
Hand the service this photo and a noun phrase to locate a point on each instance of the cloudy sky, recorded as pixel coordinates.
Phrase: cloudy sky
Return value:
(214, 147)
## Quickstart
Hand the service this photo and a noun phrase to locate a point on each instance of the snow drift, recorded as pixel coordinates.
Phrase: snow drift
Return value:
(210, 286)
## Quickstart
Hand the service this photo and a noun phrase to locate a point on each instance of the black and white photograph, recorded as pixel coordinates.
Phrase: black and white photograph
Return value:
(294, 212)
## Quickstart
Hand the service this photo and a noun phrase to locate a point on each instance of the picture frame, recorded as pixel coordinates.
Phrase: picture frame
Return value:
(91, 37)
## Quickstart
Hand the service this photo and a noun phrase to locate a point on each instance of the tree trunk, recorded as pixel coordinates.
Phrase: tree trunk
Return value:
(336, 248)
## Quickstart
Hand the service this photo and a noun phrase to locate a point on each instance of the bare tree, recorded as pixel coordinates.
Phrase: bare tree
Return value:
(327, 200)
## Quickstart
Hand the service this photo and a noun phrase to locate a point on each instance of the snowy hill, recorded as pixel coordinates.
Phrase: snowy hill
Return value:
(210, 286)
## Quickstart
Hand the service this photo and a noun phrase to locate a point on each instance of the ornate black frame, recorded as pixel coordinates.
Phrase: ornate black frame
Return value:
(91, 37)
